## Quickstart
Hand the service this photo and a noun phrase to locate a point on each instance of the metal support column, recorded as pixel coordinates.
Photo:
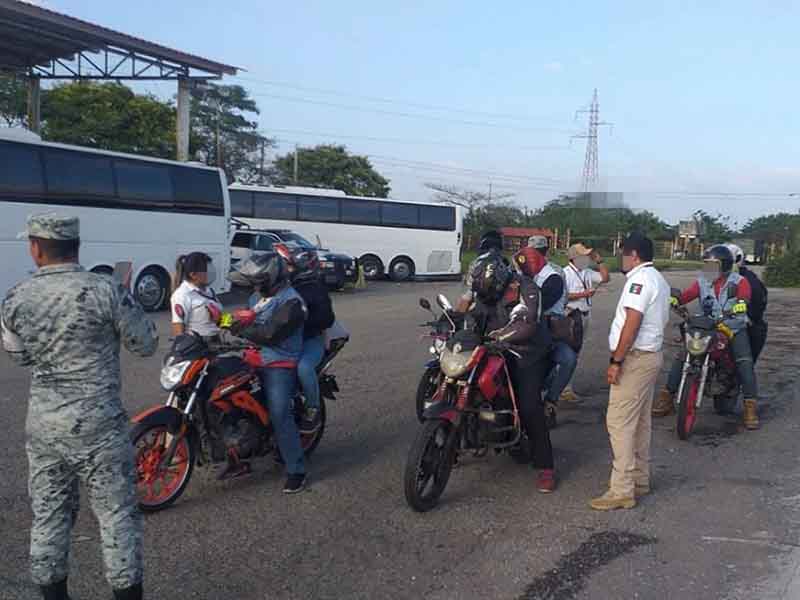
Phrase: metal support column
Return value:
(35, 105)
(182, 122)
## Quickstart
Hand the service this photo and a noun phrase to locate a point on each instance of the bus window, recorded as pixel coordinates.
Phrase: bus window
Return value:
(275, 206)
(77, 173)
(395, 213)
(319, 208)
(241, 203)
(143, 181)
(361, 212)
(438, 217)
(198, 190)
(20, 169)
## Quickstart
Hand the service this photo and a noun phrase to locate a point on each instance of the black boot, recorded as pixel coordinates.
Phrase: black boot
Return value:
(55, 591)
(132, 593)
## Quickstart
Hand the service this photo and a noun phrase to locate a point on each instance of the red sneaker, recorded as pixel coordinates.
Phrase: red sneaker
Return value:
(546, 482)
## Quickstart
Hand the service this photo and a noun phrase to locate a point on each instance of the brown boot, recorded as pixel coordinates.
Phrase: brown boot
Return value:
(751, 414)
(663, 405)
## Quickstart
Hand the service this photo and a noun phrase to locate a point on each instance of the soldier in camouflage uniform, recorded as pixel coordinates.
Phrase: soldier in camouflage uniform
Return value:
(67, 324)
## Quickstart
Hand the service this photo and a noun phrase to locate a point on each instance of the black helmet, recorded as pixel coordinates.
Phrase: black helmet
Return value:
(490, 240)
(722, 254)
(265, 271)
(489, 276)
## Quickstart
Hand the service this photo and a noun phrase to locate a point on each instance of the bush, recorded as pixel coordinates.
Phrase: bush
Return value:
(784, 271)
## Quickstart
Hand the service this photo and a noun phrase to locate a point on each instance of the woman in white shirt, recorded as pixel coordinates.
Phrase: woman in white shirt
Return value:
(194, 299)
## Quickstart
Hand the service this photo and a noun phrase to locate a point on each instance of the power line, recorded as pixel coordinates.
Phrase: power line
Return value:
(408, 140)
(409, 115)
(384, 100)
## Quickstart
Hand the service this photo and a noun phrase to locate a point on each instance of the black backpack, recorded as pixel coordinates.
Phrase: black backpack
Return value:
(758, 301)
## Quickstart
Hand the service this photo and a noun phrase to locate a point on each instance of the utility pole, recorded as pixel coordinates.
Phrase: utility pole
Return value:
(261, 168)
(590, 176)
(296, 168)
(490, 192)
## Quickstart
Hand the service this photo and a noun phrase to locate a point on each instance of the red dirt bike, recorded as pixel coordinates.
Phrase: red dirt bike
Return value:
(215, 413)
(474, 409)
(709, 368)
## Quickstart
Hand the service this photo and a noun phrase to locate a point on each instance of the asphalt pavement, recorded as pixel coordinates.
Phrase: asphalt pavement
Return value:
(721, 521)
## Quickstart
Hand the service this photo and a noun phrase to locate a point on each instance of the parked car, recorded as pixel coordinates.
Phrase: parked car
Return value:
(337, 268)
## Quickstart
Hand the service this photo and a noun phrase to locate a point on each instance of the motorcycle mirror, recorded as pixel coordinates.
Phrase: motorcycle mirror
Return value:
(443, 302)
(423, 302)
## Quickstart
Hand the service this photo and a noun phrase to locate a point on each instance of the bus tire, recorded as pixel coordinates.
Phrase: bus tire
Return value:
(152, 289)
(401, 269)
(373, 267)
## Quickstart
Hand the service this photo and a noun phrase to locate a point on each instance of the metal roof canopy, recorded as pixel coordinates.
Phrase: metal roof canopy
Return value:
(44, 44)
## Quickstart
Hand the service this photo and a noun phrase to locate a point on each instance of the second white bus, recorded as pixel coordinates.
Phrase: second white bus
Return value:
(403, 240)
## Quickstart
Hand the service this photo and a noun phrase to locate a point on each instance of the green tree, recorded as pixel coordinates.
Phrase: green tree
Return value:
(13, 100)
(331, 166)
(714, 228)
(225, 134)
(108, 116)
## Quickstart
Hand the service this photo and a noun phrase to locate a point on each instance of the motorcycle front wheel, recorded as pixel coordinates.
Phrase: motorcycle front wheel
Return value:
(426, 389)
(157, 485)
(687, 406)
(429, 464)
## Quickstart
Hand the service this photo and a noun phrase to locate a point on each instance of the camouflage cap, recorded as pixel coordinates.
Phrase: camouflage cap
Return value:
(52, 226)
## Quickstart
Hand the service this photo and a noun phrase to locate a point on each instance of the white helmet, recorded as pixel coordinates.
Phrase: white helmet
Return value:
(738, 255)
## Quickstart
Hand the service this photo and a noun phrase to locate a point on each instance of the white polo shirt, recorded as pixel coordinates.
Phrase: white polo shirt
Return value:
(578, 282)
(190, 307)
(647, 292)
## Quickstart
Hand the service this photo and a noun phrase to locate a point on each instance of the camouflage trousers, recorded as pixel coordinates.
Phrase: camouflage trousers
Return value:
(105, 466)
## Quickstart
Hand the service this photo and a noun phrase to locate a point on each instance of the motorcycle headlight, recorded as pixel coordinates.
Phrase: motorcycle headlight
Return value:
(454, 364)
(171, 374)
(697, 345)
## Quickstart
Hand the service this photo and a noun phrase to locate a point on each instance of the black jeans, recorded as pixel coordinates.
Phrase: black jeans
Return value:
(758, 337)
(527, 376)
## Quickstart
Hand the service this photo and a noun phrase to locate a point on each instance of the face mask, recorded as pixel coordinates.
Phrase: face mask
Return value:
(581, 262)
(627, 263)
(711, 270)
(211, 274)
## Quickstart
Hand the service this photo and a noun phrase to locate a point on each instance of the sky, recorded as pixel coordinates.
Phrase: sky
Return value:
(703, 96)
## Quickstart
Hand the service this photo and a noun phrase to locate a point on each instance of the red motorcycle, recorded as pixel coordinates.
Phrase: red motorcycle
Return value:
(215, 413)
(709, 368)
(474, 409)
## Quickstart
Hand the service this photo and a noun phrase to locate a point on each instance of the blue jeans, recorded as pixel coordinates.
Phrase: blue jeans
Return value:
(279, 388)
(313, 351)
(564, 362)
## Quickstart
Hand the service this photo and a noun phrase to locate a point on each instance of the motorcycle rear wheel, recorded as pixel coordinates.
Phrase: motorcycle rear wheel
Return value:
(159, 488)
(687, 410)
(429, 464)
(425, 390)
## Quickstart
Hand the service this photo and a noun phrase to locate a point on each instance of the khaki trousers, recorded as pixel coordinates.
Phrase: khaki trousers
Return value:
(629, 421)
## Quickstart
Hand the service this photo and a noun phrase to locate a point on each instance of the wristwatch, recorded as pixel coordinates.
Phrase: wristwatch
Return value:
(613, 361)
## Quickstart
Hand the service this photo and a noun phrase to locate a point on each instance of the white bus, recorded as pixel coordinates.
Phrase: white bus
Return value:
(132, 208)
(389, 237)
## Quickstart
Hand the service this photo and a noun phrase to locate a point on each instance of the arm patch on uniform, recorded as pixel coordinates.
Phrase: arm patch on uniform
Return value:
(179, 311)
(636, 288)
